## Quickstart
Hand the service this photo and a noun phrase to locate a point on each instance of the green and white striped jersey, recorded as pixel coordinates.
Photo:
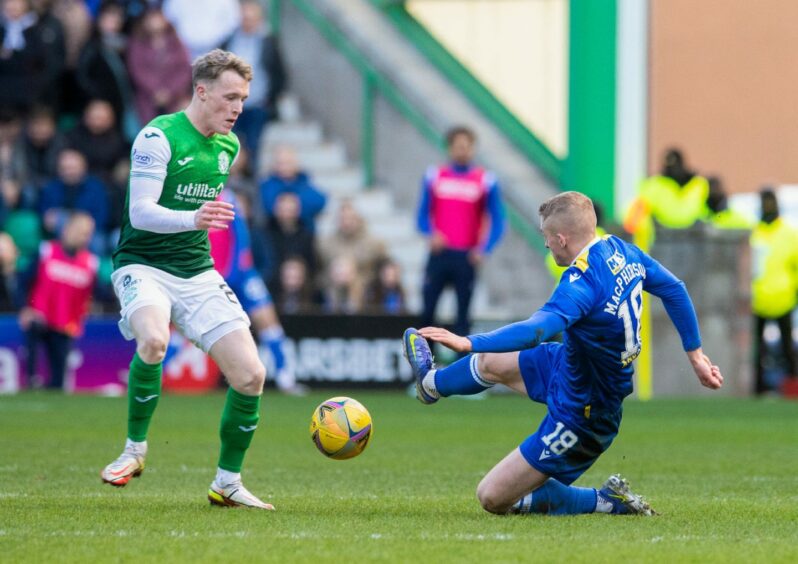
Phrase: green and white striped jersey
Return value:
(193, 169)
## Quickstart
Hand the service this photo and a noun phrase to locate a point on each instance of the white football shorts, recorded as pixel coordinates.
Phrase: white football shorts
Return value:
(203, 308)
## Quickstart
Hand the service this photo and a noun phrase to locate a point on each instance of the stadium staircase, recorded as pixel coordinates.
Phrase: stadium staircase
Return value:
(384, 108)
(326, 160)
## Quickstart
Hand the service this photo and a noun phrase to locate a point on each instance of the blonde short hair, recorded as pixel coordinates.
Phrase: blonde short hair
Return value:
(569, 211)
(211, 65)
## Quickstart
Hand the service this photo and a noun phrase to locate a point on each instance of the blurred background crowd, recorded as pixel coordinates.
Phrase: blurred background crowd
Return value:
(80, 78)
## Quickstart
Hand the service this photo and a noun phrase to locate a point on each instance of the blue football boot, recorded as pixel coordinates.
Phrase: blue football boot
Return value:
(624, 502)
(419, 355)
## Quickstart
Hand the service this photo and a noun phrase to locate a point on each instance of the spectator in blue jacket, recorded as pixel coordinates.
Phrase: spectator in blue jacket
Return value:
(74, 189)
(288, 178)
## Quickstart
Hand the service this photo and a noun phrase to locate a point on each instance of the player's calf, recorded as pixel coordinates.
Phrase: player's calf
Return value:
(500, 368)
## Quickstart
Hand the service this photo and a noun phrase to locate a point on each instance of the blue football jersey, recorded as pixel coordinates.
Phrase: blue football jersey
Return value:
(600, 297)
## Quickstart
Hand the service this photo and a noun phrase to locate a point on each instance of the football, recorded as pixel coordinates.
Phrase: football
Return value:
(340, 428)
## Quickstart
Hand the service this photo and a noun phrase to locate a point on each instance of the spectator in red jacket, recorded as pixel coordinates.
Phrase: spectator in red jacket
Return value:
(59, 300)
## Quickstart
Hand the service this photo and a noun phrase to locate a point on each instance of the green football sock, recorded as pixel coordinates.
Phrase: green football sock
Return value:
(239, 421)
(143, 392)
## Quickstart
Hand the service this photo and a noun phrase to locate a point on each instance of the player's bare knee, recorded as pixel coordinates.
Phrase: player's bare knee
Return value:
(260, 376)
(250, 380)
(152, 349)
(490, 500)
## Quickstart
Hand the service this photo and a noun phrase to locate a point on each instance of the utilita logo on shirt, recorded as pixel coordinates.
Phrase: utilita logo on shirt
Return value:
(200, 190)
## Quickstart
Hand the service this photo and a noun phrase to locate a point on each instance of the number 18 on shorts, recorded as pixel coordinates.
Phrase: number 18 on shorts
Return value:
(562, 451)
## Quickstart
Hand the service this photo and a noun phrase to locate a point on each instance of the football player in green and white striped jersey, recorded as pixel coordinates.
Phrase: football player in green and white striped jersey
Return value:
(163, 271)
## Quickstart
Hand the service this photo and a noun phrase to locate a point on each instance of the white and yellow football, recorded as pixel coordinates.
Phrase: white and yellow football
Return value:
(340, 428)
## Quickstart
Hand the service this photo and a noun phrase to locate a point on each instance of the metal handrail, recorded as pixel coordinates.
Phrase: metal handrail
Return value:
(519, 134)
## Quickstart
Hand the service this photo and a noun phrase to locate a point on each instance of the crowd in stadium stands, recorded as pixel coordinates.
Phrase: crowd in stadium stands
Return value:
(78, 79)
(77, 82)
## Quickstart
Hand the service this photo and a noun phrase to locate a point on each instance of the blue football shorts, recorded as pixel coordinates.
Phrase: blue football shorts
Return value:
(250, 290)
(566, 443)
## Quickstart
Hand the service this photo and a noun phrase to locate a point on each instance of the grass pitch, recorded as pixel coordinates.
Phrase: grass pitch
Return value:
(723, 473)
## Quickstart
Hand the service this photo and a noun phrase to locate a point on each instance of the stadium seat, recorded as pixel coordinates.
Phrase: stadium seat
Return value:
(25, 229)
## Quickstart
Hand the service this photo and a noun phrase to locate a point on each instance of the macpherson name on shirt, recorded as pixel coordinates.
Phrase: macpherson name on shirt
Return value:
(631, 272)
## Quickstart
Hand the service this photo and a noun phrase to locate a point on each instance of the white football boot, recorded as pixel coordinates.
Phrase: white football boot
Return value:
(120, 471)
(235, 495)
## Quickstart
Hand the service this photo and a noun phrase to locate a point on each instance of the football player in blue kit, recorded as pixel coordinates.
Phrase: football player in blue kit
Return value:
(583, 381)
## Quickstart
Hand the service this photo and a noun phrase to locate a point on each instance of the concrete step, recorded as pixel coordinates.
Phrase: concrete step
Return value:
(397, 228)
(412, 251)
(345, 182)
(317, 159)
(375, 203)
(398, 233)
(325, 223)
(414, 302)
(370, 202)
(288, 108)
(481, 306)
(295, 133)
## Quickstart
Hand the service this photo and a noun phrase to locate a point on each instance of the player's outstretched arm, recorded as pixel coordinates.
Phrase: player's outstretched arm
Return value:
(514, 337)
(708, 374)
(446, 338)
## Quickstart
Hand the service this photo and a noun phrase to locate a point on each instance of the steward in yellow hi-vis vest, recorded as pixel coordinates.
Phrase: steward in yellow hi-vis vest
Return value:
(675, 199)
(774, 247)
(774, 250)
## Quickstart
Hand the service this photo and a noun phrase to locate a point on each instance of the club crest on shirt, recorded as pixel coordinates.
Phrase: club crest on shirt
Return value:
(224, 162)
(616, 262)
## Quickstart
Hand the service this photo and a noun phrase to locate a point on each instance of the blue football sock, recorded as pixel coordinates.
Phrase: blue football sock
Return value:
(462, 378)
(555, 498)
(273, 338)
